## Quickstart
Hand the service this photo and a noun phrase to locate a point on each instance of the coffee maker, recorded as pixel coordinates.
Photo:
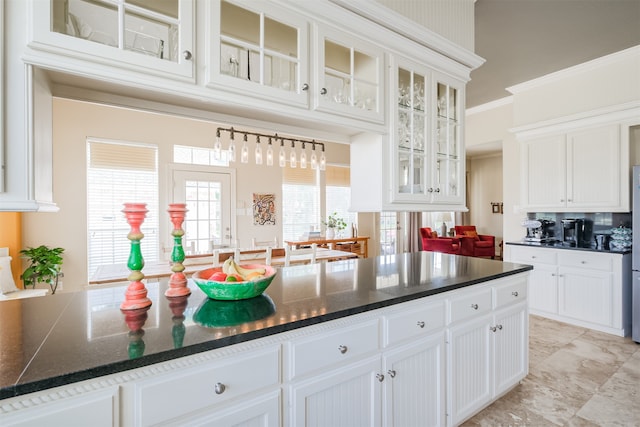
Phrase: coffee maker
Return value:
(539, 230)
(573, 232)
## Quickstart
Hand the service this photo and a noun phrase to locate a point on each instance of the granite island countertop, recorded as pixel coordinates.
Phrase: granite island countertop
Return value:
(60, 339)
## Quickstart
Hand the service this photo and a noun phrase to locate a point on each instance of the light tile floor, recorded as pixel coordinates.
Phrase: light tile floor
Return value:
(577, 378)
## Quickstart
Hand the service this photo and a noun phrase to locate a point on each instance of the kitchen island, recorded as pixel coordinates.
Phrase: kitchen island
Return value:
(195, 360)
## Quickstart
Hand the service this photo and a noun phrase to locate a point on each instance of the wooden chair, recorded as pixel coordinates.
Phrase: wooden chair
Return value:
(288, 252)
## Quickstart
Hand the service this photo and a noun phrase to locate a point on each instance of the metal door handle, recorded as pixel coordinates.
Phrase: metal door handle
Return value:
(343, 349)
(219, 388)
(421, 323)
(515, 294)
(474, 306)
(391, 373)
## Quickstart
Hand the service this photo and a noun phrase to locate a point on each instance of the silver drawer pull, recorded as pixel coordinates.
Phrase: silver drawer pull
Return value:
(500, 327)
(219, 388)
(474, 306)
(391, 373)
(343, 349)
(492, 328)
(421, 323)
(380, 377)
(515, 294)
(187, 55)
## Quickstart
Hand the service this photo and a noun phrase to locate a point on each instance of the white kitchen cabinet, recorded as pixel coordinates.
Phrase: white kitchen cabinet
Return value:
(149, 37)
(487, 350)
(414, 383)
(348, 75)
(95, 408)
(260, 49)
(420, 164)
(585, 288)
(582, 170)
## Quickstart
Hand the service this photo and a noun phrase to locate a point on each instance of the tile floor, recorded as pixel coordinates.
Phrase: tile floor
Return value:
(577, 378)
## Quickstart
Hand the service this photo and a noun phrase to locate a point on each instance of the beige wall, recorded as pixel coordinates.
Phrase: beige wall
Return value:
(74, 121)
(485, 187)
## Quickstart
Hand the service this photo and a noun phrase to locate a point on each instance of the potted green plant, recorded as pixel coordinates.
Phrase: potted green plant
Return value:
(45, 266)
(333, 223)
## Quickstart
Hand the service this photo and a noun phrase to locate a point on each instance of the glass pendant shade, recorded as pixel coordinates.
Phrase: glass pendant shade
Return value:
(303, 160)
(282, 158)
(258, 154)
(232, 151)
(323, 162)
(314, 159)
(293, 161)
(269, 155)
(217, 148)
(244, 154)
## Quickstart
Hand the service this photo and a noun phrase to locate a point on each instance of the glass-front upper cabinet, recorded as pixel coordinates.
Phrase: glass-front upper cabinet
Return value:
(259, 50)
(426, 143)
(349, 76)
(153, 35)
(447, 173)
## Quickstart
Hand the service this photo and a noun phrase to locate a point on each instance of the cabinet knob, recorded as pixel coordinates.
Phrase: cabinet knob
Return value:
(499, 327)
(343, 349)
(380, 377)
(569, 200)
(421, 323)
(515, 294)
(187, 55)
(492, 328)
(430, 190)
(437, 190)
(323, 91)
(391, 373)
(474, 306)
(219, 388)
(583, 262)
(533, 257)
(561, 200)
(305, 86)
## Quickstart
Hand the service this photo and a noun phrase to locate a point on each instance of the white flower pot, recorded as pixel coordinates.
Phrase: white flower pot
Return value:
(331, 233)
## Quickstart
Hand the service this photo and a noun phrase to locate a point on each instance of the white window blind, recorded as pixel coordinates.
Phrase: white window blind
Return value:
(300, 202)
(338, 195)
(118, 173)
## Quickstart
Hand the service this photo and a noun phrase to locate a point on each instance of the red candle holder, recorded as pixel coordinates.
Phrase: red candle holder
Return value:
(135, 296)
(178, 281)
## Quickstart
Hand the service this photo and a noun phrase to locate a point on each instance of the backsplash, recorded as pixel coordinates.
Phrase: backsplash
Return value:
(593, 222)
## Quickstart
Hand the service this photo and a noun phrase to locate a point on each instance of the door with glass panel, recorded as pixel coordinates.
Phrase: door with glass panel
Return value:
(208, 223)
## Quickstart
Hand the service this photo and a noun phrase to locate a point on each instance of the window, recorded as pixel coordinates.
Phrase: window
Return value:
(388, 233)
(300, 202)
(117, 173)
(338, 195)
(199, 156)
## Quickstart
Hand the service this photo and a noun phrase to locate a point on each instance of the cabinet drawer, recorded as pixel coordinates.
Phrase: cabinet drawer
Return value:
(592, 260)
(413, 323)
(167, 397)
(533, 255)
(473, 304)
(511, 293)
(333, 347)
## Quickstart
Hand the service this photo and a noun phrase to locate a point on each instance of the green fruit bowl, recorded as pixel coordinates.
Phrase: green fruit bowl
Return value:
(220, 314)
(233, 291)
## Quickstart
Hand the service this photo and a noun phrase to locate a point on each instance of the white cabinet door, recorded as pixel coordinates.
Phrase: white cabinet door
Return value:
(593, 169)
(259, 49)
(348, 77)
(469, 364)
(100, 408)
(261, 411)
(543, 289)
(510, 345)
(544, 172)
(586, 295)
(348, 396)
(414, 381)
(152, 37)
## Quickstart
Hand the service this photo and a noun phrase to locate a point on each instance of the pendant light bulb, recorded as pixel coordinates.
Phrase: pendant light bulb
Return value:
(258, 151)
(217, 146)
(269, 153)
(303, 158)
(282, 158)
(314, 158)
(323, 160)
(292, 156)
(244, 154)
(232, 150)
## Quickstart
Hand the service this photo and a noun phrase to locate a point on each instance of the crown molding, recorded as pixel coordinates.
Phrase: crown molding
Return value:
(631, 53)
(399, 24)
(507, 100)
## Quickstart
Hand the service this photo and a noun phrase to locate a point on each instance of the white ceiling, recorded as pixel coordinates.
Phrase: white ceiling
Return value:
(524, 39)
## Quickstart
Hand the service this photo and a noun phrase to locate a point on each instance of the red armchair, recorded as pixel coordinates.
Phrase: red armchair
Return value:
(474, 244)
(432, 243)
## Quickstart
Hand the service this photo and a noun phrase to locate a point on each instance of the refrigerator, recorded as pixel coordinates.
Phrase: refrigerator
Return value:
(635, 263)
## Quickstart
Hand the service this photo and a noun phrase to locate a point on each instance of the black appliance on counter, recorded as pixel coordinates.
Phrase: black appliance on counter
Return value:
(539, 230)
(573, 232)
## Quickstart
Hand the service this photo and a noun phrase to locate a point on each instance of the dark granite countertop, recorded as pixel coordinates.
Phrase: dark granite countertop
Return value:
(560, 245)
(67, 337)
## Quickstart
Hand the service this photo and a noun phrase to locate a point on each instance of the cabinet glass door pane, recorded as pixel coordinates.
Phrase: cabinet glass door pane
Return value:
(87, 20)
(239, 24)
(281, 55)
(337, 58)
(150, 37)
(447, 177)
